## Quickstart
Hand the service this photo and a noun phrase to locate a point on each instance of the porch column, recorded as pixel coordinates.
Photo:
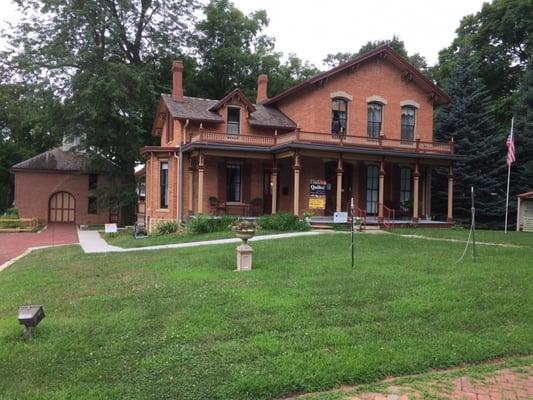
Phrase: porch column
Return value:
(338, 207)
(428, 192)
(381, 190)
(416, 178)
(191, 185)
(274, 189)
(296, 168)
(200, 183)
(450, 194)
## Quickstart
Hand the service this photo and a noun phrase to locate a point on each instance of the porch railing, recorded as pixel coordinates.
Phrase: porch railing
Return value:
(360, 213)
(298, 136)
(389, 217)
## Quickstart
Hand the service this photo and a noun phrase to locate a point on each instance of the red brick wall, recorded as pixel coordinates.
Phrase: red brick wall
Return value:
(311, 108)
(34, 189)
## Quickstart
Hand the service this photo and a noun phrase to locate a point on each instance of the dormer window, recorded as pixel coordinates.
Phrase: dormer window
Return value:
(339, 116)
(234, 120)
(408, 123)
(375, 119)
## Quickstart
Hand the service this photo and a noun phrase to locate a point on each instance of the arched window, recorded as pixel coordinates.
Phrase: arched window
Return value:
(339, 116)
(408, 123)
(375, 118)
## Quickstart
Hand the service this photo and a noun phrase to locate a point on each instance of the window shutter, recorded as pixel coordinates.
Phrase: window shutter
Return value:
(222, 182)
(247, 183)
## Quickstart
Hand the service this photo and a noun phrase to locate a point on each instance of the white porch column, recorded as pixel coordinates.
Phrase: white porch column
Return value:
(450, 194)
(200, 183)
(296, 168)
(381, 190)
(416, 178)
(274, 188)
(339, 185)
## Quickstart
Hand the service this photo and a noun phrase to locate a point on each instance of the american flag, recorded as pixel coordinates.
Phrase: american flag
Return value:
(510, 149)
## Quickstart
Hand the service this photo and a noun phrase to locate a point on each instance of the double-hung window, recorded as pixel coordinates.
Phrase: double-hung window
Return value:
(405, 186)
(163, 184)
(375, 119)
(234, 120)
(339, 116)
(233, 182)
(408, 123)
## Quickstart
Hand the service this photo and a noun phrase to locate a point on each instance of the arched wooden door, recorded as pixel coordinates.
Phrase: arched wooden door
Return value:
(62, 208)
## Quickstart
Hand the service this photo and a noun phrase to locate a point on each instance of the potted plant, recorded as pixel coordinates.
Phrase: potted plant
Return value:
(244, 229)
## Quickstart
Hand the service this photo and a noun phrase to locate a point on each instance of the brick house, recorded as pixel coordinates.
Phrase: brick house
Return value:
(362, 130)
(59, 186)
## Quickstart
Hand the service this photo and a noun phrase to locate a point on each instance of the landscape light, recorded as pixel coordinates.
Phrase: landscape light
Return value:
(30, 316)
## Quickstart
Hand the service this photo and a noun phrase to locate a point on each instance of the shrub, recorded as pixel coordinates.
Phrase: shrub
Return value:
(204, 224)
(282, 222)
(15, 223)
(11, 213)
(166, 228)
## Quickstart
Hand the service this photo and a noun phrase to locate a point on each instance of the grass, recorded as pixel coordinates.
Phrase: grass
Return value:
(482, 235)
(182, 325)
(124, 238)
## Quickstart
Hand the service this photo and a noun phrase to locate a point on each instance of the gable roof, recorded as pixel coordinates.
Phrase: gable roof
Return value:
(234, 94)
(198, 109)
(436, 94)
(56, 160)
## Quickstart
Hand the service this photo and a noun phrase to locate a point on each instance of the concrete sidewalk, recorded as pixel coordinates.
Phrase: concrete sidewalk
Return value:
(92, 242)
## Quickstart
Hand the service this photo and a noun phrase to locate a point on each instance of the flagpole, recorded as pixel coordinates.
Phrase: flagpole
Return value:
(508, 180)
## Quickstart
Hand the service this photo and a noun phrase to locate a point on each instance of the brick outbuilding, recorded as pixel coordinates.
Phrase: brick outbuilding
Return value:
(59, 186)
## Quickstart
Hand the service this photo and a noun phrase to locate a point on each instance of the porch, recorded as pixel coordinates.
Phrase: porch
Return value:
(386, 190)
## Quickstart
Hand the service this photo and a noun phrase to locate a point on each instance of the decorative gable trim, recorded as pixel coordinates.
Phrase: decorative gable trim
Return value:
(234, 95)
(408, 72)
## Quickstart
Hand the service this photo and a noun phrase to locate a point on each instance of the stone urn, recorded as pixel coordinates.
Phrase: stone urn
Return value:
(244, 230)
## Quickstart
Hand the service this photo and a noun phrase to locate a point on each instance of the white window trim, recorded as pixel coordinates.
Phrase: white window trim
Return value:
(341, 94)
(411, 103)
(376, 99)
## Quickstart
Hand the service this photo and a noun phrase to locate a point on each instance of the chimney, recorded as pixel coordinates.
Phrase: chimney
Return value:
(177, 80)
(262, 86)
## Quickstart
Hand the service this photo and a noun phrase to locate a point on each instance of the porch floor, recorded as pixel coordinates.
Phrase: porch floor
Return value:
(373, 220)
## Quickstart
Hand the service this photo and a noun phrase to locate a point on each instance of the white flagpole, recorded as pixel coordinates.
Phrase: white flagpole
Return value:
(508, 180)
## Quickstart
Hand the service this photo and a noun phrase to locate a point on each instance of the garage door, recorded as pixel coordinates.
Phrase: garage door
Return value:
(62, 208)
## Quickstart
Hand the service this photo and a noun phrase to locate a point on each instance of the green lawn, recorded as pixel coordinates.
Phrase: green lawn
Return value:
(124, 238)
(482, 235)
(180, 324)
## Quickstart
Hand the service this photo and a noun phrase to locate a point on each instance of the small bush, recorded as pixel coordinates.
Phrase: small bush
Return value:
(15, 223)
(204, 224)
(166, 228)
(282, 222)
(11, 213)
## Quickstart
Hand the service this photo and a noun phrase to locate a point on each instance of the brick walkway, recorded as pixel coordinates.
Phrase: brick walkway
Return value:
(506, 384)
(14, 244)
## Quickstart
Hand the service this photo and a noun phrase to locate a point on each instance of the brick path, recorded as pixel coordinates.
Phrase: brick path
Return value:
(14, 244)
(506, 384)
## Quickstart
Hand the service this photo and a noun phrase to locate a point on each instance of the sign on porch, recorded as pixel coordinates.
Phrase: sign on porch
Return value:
(317, 194)
(110, 228)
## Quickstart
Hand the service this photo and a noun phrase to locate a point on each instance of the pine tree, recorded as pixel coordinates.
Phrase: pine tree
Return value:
(523, 168)
(469, 120)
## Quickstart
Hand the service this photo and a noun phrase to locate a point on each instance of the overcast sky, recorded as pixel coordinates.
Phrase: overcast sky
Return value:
(311, 28)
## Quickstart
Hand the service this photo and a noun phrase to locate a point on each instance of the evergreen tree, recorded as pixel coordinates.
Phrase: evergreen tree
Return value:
(523, 168)
(469, 120)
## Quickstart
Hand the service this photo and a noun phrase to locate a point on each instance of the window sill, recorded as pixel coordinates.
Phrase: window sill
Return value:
(162, 210)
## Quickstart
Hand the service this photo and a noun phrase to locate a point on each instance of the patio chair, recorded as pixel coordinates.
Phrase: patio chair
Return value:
(215, 206)
(256, 206)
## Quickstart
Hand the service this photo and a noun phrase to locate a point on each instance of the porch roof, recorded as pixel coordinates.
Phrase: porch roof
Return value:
(326, 148)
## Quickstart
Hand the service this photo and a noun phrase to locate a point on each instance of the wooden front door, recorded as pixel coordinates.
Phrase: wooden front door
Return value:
(62, 208)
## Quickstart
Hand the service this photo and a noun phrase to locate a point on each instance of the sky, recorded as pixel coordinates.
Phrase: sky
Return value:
(313, 28)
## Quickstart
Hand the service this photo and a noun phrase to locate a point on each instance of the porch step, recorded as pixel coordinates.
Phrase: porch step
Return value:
(321, 227)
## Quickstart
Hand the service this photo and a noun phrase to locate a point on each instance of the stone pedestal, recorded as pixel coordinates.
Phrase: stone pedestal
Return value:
(244, 257)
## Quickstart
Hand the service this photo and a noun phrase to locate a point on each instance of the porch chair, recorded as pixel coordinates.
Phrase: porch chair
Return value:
(215, 206)
(256, 206)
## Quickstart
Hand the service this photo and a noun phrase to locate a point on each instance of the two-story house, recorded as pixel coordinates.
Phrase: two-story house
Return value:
(362, 130)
